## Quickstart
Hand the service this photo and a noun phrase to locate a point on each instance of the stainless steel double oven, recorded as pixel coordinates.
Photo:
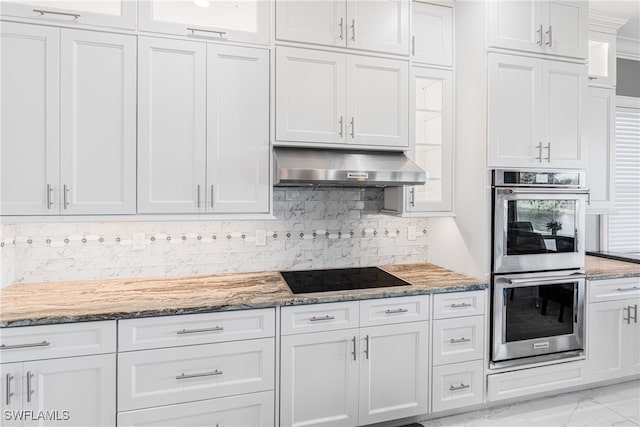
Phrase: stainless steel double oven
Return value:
(538, 280)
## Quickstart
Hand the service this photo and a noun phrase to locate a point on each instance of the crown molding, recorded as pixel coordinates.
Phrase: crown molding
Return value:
(604, 21)
(627, 48)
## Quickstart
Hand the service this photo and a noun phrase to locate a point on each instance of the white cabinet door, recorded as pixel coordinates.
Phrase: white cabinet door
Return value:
(98, 123)
(246, 410)
(381, 25)
(605, 339)
(566, 31)
(106, 13)
(457, 385)
(631, 337)
(83, 386)
(11, 393)
(393, 372)
(432, 39)
(310, 96)
(377, 101)
(564, 101)
(515, 24)
(237, 129)
(243, 21)
(600, 149)
(515, 111)
(171, 126)
(315, 21)
(602, 59)
(319, 379)
(30, 134)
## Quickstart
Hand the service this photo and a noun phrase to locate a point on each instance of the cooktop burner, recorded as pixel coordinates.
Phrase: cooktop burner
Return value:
(339, 279)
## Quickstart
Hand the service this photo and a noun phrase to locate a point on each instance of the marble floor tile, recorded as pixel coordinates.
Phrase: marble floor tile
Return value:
(616, 405)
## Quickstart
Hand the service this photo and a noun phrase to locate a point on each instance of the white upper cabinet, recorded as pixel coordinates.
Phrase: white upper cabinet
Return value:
(30, 131)
(536, 110)
(432, 39)
(551, 27)
(376, 25)
(104, 13)
(242, 21)
(171, 126)
(98, 123)
(602, 59)
(237, 129)
(68, 134)
(601, 146)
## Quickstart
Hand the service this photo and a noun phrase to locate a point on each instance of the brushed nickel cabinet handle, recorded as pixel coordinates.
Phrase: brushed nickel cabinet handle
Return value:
(628, 317)
(353, 30)
(51, 12)
(539, 147)
(353, 340)
(412, 200)
(399, 310)
(65, 196)
(548, 158)
(459, 387)
(550, 36)
(464, 304)
(219, 33)
(353, 127)
(635, 313)
(184, 376)
(212, 193)
(459, 340)
(49, 199)
(633, 288)
(318, 319)
(413, 45)
(539, 33)
(29, 391)
(341, 25)
(366, 348)
(8, 392)
(29, 345)
(341, 122)
(199, 331)
(198, 196)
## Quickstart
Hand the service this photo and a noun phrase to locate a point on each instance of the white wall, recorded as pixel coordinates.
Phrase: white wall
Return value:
(46, 252)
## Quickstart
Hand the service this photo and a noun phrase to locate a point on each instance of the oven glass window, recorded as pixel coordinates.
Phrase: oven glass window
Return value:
(541, 226)
(538, 311)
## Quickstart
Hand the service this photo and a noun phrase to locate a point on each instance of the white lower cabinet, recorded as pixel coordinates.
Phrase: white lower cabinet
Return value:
(457, 385)
(246, 410)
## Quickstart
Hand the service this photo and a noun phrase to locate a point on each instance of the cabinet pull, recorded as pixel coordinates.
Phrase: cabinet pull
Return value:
(459, 340)
(548, 158)
(198, 331)
(412, 200)
(15, 346)
(458, 387)
(539, 32)
(593, 78)
(219, 33)
(353, 127)
(550, 34)
(211, 198)
(633, 288)
(8, 392)
(29, 391)
(49, 200)
(353, 341)
(399, 310)
(628, 317)
(464, 304)
(65, 196)
(341, 25)
(318, 319)
(635, 313)
(198, 196)
(202, 374)
(42, 12)
(353, 29)
(366, 347)
(341, 122)
(539, 147)
(413, 45)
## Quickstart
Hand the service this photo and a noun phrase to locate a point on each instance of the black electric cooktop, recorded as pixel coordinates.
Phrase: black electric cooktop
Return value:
(339, 279)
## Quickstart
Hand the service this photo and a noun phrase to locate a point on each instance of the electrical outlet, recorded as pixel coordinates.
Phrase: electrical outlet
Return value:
(261, 237)
(139, 241)
(411, 232)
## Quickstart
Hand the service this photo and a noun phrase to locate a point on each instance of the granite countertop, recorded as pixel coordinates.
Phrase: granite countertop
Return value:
(598, 268)
(63, 302)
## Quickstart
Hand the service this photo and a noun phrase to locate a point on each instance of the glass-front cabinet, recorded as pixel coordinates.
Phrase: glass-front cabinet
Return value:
(104, 13)
(233, 20)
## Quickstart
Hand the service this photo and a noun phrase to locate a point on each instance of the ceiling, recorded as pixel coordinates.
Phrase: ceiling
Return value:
(627, 9)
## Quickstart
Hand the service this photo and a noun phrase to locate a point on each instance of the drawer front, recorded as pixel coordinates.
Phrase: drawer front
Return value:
(51, 341)
(386, 311)
(183, 374)
(458, 340)
(457, 385)
(613, 289)
(319, 317)
(173, 331)
(248, 410)
(457, 304)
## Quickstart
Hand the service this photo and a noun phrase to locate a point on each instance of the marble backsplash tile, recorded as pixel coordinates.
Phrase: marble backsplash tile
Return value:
(313, 228)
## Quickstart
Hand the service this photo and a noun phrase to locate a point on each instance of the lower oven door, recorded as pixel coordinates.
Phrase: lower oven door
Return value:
(537, 315)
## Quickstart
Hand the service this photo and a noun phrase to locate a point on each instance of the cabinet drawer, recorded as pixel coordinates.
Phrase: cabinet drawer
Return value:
(50, 341)
(385, 311)
(319, 317)
(457, 385)
(613, 289)
(458, 340)
(172, 331)
(255, 409)
(183, 374)
(458, 304)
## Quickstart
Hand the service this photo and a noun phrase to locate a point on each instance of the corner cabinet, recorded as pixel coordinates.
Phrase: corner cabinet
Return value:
(536, 111)
(539, 26)
(357, 100)
(196, 151)
(69, 121)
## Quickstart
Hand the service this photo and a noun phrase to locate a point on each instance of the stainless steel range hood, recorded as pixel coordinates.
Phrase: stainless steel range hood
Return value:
(307, 166)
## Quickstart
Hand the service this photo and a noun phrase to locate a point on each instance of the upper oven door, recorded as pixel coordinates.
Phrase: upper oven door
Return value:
(538, 229)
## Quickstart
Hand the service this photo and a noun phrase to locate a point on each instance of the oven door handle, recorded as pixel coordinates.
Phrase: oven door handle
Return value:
(522, 190)
(542, 280)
